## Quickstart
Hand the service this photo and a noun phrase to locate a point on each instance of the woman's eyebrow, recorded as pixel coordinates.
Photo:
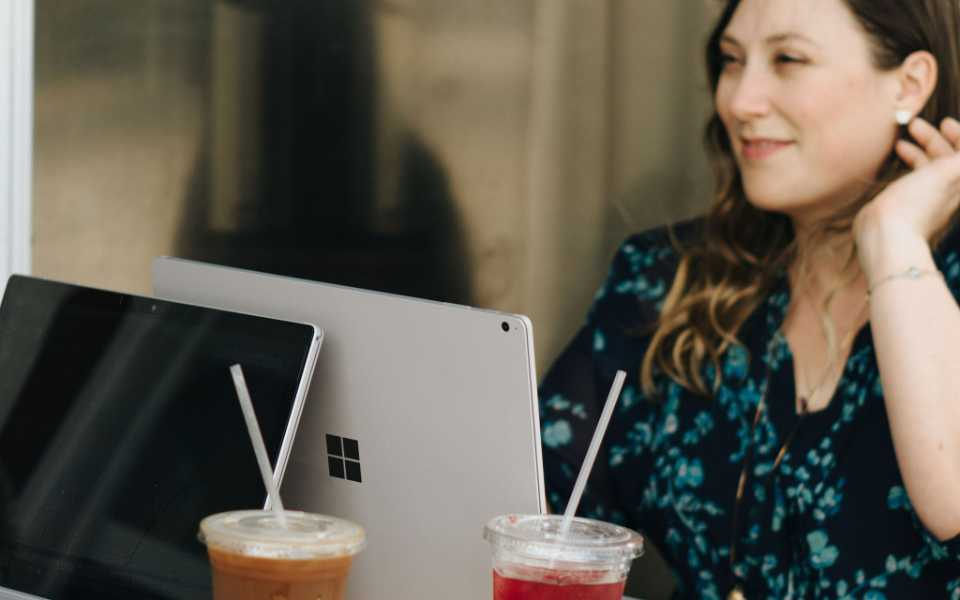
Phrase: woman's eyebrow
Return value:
(790, 37)
(776, 38)
(729, 39)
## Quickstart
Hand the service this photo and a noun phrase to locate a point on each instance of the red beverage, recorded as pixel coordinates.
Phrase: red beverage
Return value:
(505, 588)
(544, 557)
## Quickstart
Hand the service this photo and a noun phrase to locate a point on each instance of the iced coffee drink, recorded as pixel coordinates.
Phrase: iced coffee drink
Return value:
(254, 557)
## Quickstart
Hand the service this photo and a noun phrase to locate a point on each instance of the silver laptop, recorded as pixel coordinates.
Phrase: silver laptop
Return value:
(421, 423)
(120, 430)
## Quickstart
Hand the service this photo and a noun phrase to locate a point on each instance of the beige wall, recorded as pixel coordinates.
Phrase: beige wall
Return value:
(562, 125)
(117, 133)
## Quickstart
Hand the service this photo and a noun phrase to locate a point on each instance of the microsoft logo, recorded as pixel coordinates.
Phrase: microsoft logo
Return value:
(343, 457)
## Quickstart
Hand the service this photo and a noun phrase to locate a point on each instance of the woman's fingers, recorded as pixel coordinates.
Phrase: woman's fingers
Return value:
(911, 154)
(950, 129)
(930, 139)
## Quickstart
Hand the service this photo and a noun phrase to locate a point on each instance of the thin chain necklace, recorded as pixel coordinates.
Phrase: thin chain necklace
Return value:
(807, 398)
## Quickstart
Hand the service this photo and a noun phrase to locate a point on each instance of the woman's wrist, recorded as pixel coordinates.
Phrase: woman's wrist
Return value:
(886, 247)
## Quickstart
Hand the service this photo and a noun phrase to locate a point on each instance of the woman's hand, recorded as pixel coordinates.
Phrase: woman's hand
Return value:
(916, 206)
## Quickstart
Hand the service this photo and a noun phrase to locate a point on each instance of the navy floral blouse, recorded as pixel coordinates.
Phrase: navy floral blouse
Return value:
(833, 520)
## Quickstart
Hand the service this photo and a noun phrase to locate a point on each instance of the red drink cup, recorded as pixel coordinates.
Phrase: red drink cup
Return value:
(534, 560)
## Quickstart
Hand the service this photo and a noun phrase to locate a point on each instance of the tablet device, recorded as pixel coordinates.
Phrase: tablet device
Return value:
(120, 429)
(421, 423)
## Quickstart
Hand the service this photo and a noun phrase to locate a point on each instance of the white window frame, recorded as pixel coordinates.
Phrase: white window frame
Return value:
(16, 136)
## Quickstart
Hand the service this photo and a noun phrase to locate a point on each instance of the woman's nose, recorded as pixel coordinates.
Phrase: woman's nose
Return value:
(750, 97)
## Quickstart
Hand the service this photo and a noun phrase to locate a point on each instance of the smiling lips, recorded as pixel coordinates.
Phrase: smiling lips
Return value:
(761, 148)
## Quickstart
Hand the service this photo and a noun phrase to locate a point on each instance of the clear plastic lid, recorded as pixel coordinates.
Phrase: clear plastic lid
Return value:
(259, 533)
(589, 543)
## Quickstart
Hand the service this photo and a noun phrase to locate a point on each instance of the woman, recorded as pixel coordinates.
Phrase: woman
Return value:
(754, 443)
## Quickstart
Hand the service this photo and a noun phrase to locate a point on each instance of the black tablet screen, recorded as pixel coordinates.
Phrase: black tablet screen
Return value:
(120, 429)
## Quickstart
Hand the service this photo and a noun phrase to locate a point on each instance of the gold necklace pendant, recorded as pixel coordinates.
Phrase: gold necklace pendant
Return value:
(736, 594)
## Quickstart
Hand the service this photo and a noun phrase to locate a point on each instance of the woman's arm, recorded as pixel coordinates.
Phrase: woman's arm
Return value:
(916, 332)
(916, 321)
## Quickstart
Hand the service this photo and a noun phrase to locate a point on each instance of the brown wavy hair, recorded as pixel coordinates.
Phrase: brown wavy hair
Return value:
(743, 251)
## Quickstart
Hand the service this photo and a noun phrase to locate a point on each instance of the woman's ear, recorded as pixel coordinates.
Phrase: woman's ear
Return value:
(916, 79)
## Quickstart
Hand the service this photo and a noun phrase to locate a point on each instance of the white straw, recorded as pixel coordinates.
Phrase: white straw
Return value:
(259, 448)
(592, 451)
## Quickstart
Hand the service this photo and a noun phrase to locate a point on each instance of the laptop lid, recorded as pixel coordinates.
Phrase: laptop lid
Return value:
(120, 430)
(421, 424)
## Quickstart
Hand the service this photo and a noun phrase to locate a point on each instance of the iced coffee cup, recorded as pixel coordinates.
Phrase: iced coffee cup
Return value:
(534, 559)
(254, 557)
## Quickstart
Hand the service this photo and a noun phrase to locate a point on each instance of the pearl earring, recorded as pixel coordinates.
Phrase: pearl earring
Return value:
(903, 117)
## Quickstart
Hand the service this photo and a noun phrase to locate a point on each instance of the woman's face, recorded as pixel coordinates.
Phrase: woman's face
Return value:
(810, 119)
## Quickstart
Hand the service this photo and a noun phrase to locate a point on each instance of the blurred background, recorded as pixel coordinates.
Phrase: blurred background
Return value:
(489, 153)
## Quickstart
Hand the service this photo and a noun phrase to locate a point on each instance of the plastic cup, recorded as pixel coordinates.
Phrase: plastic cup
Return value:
(533, 560)
(254, 558)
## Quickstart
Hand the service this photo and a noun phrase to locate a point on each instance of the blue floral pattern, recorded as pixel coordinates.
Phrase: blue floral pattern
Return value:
(833, 520)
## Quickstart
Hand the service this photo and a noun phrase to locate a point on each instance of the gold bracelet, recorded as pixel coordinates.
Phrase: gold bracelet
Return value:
(910, 273)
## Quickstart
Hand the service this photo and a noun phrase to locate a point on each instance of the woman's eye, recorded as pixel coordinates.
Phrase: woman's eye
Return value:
(786, 59)
(728, 59)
